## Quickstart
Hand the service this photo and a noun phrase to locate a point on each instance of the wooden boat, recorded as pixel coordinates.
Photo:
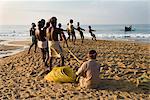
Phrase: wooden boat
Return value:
(128, 28)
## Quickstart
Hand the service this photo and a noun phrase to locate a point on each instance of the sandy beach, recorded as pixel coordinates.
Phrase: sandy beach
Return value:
(125, 73)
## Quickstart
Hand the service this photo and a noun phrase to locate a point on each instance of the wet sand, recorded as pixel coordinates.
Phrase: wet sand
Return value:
(122, 63)
(5, 47)
(20, 42)
(8, 48)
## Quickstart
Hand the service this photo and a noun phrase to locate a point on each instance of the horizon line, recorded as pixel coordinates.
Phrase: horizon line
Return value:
(81, 24)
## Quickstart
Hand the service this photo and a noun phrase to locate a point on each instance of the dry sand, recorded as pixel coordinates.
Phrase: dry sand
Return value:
(123, 63)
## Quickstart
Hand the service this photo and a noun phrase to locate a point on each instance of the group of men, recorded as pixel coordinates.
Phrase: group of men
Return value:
(46, 37)
(71, 31)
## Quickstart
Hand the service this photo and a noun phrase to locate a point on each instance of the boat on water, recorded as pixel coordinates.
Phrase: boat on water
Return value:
(129, 28)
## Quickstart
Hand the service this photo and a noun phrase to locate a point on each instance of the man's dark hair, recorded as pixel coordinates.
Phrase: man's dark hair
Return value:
(33, 24)
(71, 21)
(42, 22)
(92, 54)
(53, 21)
(39, 24)
(59, 24)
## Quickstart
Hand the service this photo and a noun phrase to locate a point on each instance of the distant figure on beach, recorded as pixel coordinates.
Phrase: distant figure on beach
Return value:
(42, 42)
(89, 72)
(34, 40)
(80, 31)
(63, 35)
(72, 31)
(55, 50)
(93, 35)
(68, 32)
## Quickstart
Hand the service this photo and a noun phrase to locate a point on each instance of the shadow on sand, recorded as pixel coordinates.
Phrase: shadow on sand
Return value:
(121, 85)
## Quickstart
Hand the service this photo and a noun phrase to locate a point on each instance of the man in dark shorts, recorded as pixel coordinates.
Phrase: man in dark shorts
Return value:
(93, 35)
(80, 31)
(32, 34)
(55, 50)
(63, 35)
(42, 42)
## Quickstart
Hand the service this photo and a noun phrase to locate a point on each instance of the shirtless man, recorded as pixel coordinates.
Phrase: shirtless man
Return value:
(91, 31)
(42, 42)
(34, 41)
(63, 35)
(80, 31)
(68, 32)
(72, 31)
(55, 49)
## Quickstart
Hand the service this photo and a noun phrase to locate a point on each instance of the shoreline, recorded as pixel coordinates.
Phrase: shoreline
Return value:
(8, 48)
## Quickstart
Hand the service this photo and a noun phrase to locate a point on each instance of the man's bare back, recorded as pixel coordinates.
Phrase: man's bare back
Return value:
(52, 34)
(40, 35)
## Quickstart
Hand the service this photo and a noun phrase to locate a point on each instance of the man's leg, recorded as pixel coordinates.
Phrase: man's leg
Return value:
(47, 57)
(43, 54)
(68, 36)
(30, 48)
(95, 38)
(62, 61)
(72, 37)
(82, 37)
(51, 59)
(35, 47)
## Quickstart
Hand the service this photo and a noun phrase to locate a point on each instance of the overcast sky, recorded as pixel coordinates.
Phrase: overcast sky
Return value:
(24, 12)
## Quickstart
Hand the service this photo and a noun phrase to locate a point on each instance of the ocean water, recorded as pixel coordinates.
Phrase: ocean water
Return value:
(141, 32)
(14, 32)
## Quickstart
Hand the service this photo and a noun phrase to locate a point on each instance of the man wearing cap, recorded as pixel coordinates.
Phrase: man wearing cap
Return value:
(89, 72)
(55, 50)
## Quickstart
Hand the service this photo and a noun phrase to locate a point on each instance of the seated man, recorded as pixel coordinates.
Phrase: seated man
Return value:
(89, 72)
